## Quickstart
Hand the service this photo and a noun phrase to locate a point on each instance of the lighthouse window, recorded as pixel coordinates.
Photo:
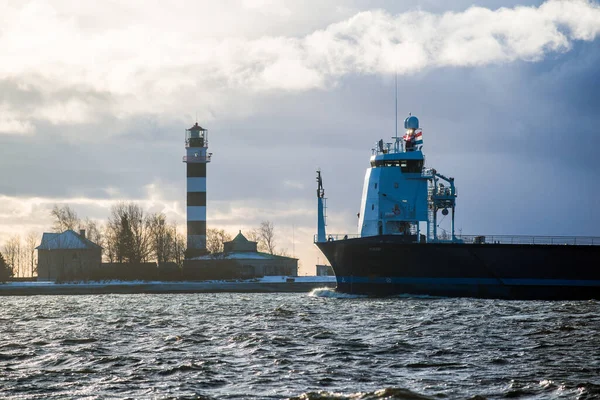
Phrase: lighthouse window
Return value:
(395, 185)
(372, 206)
(376, 186)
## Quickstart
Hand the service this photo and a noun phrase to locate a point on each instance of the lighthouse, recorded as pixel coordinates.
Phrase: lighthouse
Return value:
(196, 158)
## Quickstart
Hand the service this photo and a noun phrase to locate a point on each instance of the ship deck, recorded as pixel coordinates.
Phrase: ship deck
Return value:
(501, 239)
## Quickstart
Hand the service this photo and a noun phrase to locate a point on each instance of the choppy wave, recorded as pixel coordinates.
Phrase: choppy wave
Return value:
(331, 293)
(321, 345)
(387, 393)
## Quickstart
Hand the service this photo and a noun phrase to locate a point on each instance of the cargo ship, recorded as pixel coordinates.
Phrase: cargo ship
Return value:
(400, 248)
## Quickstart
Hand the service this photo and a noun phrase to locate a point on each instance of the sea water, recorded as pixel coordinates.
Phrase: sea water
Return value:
(299, 346)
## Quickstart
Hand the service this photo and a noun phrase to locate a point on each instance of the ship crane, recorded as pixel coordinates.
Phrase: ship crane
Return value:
(440, 197)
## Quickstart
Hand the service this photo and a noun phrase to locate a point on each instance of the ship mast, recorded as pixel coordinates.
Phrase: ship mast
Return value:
(321, 207)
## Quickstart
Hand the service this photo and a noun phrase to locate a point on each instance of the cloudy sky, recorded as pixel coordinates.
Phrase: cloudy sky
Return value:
(95, 98)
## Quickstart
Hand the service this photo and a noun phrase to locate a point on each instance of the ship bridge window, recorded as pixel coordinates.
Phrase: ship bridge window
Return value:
(411, 166)
(407, 166)
(385, 163)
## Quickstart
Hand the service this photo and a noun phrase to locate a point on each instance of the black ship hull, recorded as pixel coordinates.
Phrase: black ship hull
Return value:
(389, 265)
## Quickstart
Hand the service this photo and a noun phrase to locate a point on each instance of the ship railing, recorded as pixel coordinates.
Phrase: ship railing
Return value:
(339, 236)
(502, 239)
(388, 148)
(521, 239)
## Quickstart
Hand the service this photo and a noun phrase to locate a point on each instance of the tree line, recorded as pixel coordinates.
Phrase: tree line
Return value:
(18, 256)
(5, 270)
(129, 235)
(265, 236)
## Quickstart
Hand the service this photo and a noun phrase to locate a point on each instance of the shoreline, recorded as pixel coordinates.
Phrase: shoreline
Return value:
(299, 285)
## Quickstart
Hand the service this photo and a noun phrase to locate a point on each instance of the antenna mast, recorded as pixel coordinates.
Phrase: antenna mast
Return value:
(396, 93)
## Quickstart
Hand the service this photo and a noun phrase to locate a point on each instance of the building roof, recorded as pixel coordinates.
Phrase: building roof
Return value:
(240, 238)
(239, 244)
(69, 239)
(196, 127)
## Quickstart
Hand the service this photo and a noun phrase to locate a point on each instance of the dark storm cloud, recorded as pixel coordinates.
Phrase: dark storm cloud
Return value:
(574, 84)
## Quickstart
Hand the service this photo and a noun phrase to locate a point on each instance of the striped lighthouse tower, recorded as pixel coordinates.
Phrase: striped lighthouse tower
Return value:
(196, 158)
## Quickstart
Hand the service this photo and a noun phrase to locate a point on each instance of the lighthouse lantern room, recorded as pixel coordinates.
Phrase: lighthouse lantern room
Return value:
(196, 158)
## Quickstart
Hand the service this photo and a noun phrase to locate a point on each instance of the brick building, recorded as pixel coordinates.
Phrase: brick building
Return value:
(67, 256)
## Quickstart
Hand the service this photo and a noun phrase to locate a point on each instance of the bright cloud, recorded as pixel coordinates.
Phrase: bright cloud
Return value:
(142, 68)
(12, 122)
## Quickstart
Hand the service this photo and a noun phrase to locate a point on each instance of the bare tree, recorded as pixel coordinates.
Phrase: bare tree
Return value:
(215, 238)
(266, 232)
(111, 242)
(266, 239)
(163, 240)
(12, 252)
(31, 242)
(180, 247)
(254, 236)
(159, 236)
(128, 238)
(64, 218)
(93, 230)
(5, 270)
(283, 253)
(22, 260)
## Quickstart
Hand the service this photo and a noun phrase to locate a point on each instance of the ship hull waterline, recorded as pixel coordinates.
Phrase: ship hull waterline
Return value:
(386, 265)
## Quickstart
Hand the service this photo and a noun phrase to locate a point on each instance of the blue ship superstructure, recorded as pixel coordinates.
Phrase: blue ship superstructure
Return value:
(399, 248)
(399, 194)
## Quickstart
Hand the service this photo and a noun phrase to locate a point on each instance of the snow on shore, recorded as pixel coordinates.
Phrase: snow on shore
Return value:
(265, 279)
(265, 284)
